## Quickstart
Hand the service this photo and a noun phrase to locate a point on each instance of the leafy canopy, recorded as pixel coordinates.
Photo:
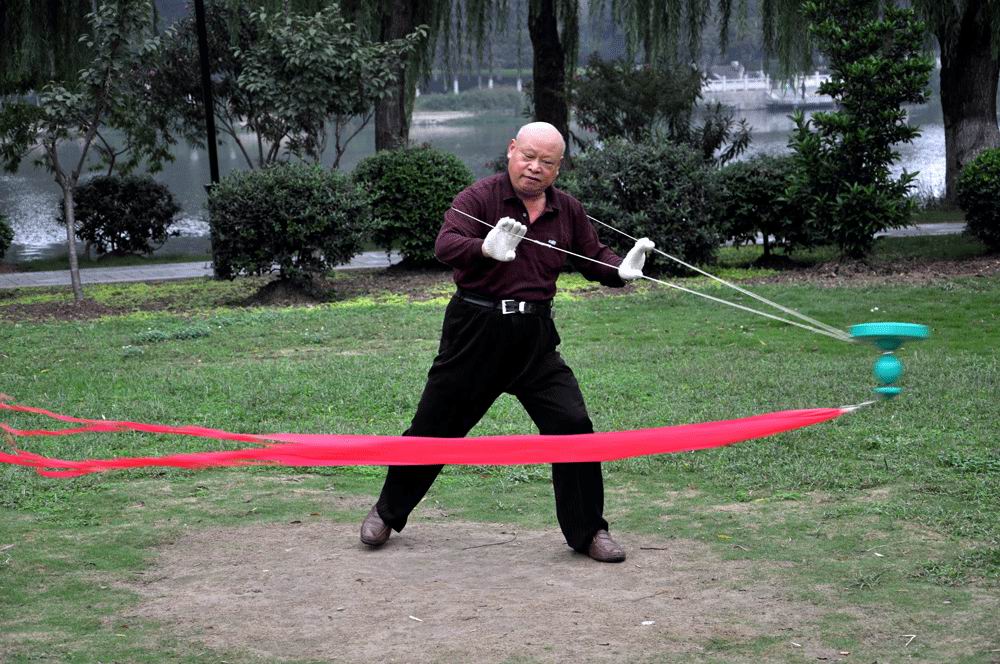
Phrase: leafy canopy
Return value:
(290, 79)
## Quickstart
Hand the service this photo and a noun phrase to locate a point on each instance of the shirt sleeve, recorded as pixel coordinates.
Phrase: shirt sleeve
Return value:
(586, 243)
(459, 243)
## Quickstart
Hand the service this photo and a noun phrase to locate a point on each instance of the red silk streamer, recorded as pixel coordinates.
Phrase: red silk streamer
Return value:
(292, 449)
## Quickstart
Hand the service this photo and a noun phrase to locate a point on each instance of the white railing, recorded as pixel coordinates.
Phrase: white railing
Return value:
(760, 81)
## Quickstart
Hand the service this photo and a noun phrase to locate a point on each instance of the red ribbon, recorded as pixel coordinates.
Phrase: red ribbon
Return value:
(292, 449)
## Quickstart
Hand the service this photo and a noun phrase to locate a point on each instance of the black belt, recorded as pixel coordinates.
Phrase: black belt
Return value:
(507, 306)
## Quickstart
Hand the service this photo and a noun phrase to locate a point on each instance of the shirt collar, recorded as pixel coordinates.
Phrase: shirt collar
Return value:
(508, 193)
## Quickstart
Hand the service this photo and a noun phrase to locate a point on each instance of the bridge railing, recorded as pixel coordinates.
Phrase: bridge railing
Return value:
(760, 81)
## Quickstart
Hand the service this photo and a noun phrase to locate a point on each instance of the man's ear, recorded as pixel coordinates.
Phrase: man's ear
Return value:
(510, 147)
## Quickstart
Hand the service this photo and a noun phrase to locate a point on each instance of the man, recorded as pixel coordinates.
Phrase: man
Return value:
(498, 334)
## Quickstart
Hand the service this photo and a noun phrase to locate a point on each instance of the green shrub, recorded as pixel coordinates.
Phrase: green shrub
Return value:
(752, 200)
(302, 219)
(659, 190)
(6, 236)
(409, 191)
(124, 214)
(979, 196)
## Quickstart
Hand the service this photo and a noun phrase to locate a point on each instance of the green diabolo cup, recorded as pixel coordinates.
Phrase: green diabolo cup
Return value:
(888, 337)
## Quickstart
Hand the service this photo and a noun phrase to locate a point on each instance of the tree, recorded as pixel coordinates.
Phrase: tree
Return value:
(307, 71)
(617, 99)
(968, 33)
(876, 64)
(968, 37)
(554, 29)
(620, 100)
(107, 94)
(284, 76)
(389, 20)
(41, 42)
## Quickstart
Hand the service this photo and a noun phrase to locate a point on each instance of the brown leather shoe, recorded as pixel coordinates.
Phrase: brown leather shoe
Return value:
(374, 532)
(604, 549)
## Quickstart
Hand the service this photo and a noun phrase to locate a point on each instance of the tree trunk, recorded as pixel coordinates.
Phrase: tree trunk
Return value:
(392, 117)
(74, 264)
(970, 70)
(548, 67)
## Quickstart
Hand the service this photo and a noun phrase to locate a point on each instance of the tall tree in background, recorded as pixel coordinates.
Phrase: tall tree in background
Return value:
(968, 32)
(555, 31)
(394, 20)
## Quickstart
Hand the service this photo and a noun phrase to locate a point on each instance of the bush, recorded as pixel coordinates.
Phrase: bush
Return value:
(752, 200)
(659, 190)
(6, 236)
(303, 219)
(124, 214)
(979, 196)
(409, 191)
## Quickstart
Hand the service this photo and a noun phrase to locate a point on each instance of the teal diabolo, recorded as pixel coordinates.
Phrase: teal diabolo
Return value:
(888, 337)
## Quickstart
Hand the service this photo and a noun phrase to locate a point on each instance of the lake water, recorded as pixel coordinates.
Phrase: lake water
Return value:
(30, 198)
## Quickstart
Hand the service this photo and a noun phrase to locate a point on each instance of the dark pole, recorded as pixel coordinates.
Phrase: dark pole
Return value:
(206, 91)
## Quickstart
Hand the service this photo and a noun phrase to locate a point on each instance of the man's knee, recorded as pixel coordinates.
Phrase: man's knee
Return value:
(571, 421)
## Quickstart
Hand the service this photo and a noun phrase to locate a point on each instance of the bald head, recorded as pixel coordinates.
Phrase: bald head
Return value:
(542, 132)
(533, 159)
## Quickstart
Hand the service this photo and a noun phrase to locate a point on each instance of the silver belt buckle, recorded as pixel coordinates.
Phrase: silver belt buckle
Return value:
(511, 307)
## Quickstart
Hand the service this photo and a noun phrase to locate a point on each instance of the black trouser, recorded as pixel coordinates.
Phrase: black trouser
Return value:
(484, 353)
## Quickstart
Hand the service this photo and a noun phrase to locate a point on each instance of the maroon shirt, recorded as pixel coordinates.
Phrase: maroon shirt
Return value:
(532, 275)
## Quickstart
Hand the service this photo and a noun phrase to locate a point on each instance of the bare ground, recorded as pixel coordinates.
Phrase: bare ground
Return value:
(458, 591)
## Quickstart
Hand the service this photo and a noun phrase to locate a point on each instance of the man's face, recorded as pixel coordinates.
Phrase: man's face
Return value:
(533, 164)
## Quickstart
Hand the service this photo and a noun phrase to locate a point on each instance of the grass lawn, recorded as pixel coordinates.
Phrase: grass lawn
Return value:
(886, 520)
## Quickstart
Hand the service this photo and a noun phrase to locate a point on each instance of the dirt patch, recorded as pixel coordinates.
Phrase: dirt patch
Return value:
(898, 272)
(456, 591)
(86, 310)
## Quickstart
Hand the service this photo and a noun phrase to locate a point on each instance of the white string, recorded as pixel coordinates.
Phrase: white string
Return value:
(759, 298)
(840, 336)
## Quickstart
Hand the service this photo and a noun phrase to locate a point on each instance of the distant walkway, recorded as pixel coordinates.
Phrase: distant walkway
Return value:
(947, 228)
(160, 272)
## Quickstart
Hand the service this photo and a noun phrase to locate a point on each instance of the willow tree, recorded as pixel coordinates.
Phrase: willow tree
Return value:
(41, 42)
(389, 20)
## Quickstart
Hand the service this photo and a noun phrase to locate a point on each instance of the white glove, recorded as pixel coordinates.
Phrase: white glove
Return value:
(631, 267)
(502, 239)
